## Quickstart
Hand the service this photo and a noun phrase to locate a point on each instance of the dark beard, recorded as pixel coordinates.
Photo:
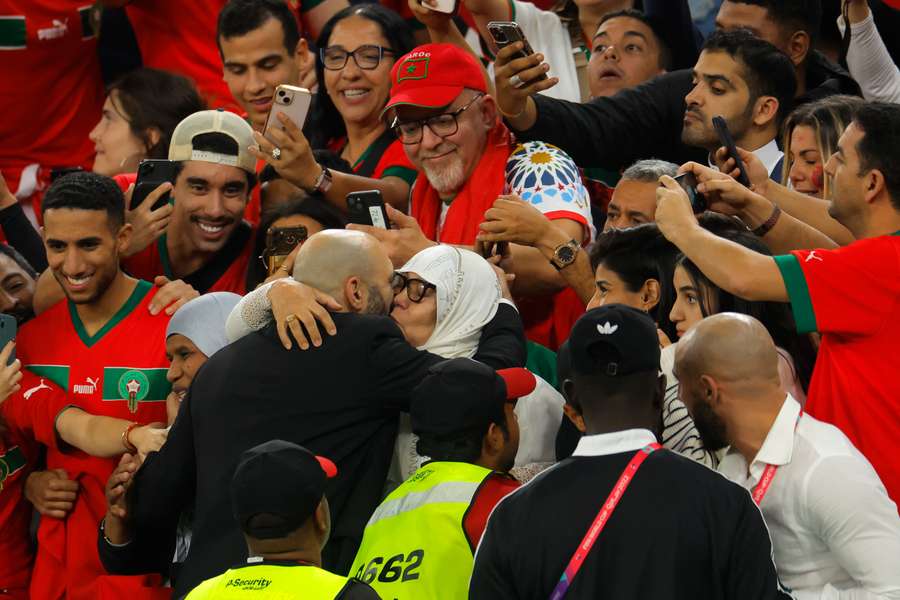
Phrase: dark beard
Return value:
(375, 304)
(710, 427)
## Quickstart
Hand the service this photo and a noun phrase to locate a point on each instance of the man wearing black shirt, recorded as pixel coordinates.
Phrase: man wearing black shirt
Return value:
(679, 530)
(647, 120)
(341, 400)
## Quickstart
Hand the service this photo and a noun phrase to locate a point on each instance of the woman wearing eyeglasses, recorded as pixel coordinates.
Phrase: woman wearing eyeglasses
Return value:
(357, 49)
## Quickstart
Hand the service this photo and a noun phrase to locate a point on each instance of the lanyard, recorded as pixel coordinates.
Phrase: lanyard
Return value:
(759, 492)
(600, 520)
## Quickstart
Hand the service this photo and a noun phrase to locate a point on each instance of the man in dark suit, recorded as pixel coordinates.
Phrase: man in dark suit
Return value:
(341, 401)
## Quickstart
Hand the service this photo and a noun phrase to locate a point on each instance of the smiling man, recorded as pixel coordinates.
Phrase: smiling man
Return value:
(207, 243)
(102, 346)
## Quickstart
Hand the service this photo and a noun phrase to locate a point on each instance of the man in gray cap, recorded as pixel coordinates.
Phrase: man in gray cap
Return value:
(668, 527)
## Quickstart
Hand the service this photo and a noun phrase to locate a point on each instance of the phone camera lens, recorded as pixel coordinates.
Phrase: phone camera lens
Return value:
(287, 100)
(281, 93)
(500, 36)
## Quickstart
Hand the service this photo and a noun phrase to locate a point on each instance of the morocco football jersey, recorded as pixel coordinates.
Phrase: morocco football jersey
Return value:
(119, 371)
(851, 296)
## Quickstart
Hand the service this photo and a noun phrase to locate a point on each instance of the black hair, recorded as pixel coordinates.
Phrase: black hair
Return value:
(84, 190)
(464, 446)
(767, 70)
(313, 206)
(637, 254)
(658, 29)
(792, 15)
(12, 253)
(325, 123)
(775, 316)
(880, 124)
(154, 99)
(220, 144)
(240, 17)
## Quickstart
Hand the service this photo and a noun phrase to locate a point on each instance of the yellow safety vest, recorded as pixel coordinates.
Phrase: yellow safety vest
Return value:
(414, 546)
(271, 582)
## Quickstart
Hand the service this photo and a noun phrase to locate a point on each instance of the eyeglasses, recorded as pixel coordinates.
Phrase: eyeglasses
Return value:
(415, 288)
(442, 125)
(367, 57)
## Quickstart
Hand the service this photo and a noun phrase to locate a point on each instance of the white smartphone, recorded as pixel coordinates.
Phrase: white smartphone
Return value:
(292, 101)
(444, 6)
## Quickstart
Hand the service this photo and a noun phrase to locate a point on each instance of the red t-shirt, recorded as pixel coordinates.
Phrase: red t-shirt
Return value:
(384, 157)
(52, 88)
(226, 272)
(119, 372)
(28, 415)
(852, 297)
(493, 489)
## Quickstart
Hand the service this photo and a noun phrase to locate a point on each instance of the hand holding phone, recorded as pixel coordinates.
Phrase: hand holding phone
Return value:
(289, 100)
(151, 174)
(280, 242)
(726, 140)
(506, 33)
(688, 183)
(367, 208)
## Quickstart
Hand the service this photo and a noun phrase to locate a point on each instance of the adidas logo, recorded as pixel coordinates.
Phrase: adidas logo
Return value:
(607, 329)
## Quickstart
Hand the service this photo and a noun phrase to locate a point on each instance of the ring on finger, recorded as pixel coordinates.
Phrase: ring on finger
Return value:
(516, 81)
(276, 153)
(290, 318)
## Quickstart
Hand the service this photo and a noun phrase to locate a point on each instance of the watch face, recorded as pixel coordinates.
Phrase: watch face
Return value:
(565, 254)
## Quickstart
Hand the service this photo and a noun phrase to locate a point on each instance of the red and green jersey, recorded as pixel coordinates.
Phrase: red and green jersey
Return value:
(28, 417)
(226, 271)
(52, 89)
(851, 296)
(120, 371)
(384, 157)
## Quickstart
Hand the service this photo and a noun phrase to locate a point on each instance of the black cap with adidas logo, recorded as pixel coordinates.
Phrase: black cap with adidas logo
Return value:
(614, 340)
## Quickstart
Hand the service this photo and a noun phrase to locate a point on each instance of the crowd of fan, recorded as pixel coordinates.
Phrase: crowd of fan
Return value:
(602, 348)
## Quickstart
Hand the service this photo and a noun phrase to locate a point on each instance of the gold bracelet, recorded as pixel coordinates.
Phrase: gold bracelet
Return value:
(131, 448)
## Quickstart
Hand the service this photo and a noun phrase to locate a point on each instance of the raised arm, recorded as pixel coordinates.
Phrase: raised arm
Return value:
(107, 437)
(868, 58)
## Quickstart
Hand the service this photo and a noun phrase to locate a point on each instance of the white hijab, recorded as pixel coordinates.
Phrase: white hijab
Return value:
(468, 295)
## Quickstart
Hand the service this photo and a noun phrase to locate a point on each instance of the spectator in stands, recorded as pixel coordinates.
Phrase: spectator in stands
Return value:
(716, 544)
(140, 113)
(633, 200)
(359, 46)
(274, 190)
(648, 120)
(463, 414)
(848, 295)
(17, 282)
(834, 529)
(207, 244)
(867, 57)
(278, 499)
(810, 137)
(359, 414)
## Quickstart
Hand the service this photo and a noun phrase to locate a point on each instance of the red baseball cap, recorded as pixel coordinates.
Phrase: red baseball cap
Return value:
(433, 75)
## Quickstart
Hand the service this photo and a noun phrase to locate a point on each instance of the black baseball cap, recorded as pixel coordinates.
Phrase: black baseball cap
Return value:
(462, 395)
(614, 340)
(281, 479)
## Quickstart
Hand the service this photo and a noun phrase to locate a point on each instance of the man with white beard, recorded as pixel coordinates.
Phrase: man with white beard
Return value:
(452, 132)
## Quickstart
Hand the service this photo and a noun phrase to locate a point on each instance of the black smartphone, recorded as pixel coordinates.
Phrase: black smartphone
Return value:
(367, 208)
(509, 32)
(151, 174)
(8, 326)
(688, 183)
(726, 140)
(281, 241)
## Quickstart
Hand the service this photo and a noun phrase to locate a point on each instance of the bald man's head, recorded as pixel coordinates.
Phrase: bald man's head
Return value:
(351, 266)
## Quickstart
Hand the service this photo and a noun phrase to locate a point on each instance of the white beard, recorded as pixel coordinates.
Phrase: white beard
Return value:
(449, 178)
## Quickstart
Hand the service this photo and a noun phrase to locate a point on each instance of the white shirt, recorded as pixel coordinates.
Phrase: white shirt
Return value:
(768, 155)
(835, 532)
(602, 444)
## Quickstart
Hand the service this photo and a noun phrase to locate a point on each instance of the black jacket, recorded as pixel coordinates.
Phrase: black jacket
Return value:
(341, 401)
(646, 121)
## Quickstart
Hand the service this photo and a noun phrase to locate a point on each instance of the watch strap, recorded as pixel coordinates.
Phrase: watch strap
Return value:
(769, 223)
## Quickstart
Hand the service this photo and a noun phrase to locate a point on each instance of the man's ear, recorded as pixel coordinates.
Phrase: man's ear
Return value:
(320, 517)
(574, 416)
(123, 237)
(710, 390)
(355, 294)
(660, 391)
(873, 185)
(301, 50)
(493, 440)
(489, 112)
(765, 111)
(153, 136)
(798, 47)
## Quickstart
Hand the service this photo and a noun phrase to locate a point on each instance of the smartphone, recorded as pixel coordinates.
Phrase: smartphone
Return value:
(281, 241)
(292, 101)
(367, 208)
(7, 334)
(688, 183)
(726, 140)
(151, 174)
(442, 6)
(509, 32)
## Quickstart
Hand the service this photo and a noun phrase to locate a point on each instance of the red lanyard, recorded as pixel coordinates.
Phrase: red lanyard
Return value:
(759, 492)
(600, 520)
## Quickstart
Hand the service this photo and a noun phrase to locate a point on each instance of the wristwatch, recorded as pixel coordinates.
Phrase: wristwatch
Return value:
(564, 255)
(323, 182)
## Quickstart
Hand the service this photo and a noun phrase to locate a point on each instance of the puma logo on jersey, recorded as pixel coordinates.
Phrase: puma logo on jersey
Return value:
(812, 256)
(31, 392)
(58, 30)
(607, 328)
(89, 388)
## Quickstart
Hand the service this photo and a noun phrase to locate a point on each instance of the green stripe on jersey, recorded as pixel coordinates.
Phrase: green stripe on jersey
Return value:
(12, 33)
(798, 292)
(10, 462)
(135, 385)
(58, 374)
